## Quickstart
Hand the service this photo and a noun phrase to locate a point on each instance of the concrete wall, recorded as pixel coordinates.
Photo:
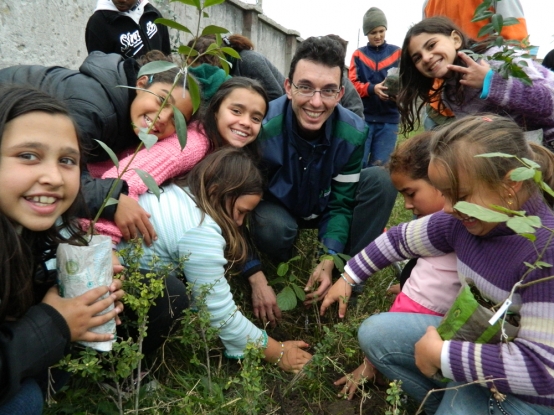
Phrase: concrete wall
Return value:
(51, 32)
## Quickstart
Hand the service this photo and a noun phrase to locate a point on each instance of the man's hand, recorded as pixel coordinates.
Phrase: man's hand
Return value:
(131, 219)
(428, 352)
(264, 300)
(322, 276)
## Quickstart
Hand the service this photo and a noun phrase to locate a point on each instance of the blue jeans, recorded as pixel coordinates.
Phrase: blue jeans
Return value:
(274, 229)
(380, 144)
(388, 341)
(28, 401)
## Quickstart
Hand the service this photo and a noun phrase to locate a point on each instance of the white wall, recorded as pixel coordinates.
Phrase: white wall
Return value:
(52, 32)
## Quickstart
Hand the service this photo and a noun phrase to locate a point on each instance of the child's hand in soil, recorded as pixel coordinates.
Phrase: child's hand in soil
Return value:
(353, 380)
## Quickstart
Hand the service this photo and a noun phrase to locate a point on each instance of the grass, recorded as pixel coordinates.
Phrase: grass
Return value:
(188, 382)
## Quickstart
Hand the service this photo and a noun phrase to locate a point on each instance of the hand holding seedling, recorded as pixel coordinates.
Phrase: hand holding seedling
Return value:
(321, 276)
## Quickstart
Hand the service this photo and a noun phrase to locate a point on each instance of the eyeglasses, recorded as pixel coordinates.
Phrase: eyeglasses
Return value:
(308, 91)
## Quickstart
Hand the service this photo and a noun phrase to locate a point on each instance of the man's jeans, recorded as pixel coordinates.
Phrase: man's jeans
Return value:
(380, 144)
(27, 401)
(388, 340)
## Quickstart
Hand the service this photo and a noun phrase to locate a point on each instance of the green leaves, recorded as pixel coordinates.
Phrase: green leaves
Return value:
(212, 30)
(286, 299)
(149, 182)
(282, 269)
(148, 139)
(209, 3)
(339, 260)
(187, 51)
(152, 68)
(173, 25)
(488, 29)
(480, 212)
(111, 201)
(525, 224)
(497, 22)
(108, 150)
(231, 52)
(519, 223)
(194, 91)
(180, 126)
(522, 173)
(488, 155)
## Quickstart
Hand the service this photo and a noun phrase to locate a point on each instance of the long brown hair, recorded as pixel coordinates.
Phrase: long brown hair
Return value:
(20, 253)
(215, 184)
(416, 90)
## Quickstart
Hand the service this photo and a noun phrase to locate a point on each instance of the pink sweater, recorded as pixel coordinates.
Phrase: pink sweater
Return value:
(163, 161)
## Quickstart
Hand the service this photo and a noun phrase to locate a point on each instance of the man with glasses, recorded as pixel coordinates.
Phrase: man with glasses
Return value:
(312, 155)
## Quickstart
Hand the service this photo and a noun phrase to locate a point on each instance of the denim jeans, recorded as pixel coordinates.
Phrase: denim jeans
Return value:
(28, 401)
(388, 341)
(274, 229)
(380, 144)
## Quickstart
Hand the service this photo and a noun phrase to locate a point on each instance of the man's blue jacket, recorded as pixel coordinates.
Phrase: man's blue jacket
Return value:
(324, 188)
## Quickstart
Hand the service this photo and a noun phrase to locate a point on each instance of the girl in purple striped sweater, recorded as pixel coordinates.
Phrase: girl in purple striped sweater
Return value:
(407, 346)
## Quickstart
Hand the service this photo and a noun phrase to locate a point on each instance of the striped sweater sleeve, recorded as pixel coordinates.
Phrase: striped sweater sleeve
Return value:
(405, 241)
(534, 102)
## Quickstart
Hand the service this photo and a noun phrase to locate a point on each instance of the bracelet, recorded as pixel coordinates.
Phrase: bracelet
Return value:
(282, 353)
(348, 282)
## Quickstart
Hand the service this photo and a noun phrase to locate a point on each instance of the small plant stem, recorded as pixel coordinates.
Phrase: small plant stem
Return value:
(528, 284)
(207, 350)
(119, 402)
(475, 382)
(139, 365)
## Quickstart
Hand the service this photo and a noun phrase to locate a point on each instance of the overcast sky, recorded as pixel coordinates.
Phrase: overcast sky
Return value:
(344, 18)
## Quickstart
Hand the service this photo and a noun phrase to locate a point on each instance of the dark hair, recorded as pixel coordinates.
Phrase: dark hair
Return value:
(166, 77)
(416, 90)
(216, 183)
(201, 44)
(454, 147)
(343, 43)
(208, 117)
(21, 253)
(412, 157)
(323, 50)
